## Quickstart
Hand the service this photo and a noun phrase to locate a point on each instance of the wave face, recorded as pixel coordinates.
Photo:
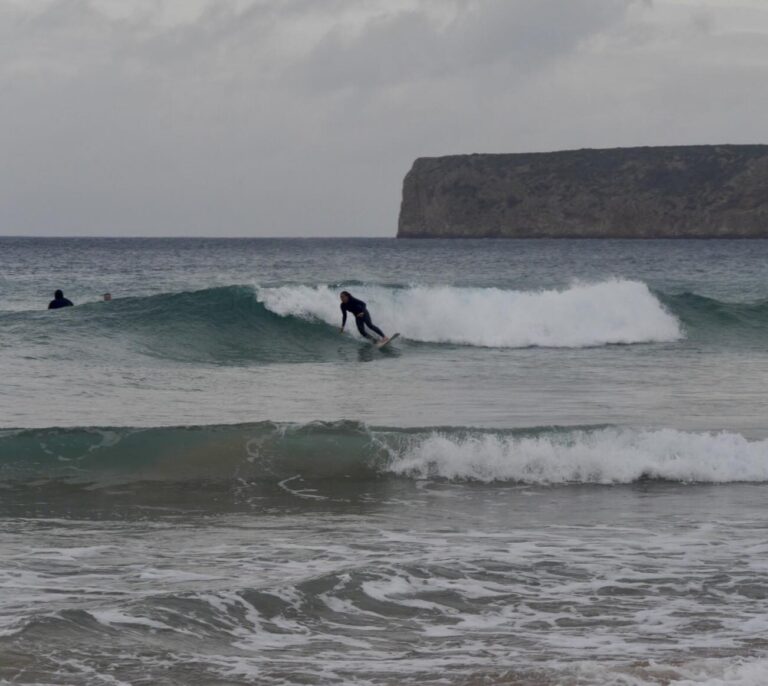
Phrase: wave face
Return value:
(225, 325)
(272, 452)
(710, 317)
(605, 313)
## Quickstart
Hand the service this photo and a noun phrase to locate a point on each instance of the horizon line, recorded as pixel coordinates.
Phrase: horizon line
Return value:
(105, 236)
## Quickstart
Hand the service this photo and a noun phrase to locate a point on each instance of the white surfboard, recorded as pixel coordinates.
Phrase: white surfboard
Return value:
(386, 341)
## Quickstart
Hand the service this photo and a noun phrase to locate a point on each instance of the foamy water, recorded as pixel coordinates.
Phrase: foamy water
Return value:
(409, 583)
(606, 456)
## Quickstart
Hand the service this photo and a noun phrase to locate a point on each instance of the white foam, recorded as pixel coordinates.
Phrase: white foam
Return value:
(603, 456)
(616, 311)
(730, 671)
(727, 672)
(112, 616)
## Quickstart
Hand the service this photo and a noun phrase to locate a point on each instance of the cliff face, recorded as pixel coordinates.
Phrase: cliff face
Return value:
(675, 192)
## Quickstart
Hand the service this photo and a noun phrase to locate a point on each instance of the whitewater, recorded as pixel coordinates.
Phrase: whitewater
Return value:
(582, 315)
(557, 475)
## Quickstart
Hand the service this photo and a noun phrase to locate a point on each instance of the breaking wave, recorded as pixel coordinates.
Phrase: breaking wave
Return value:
(268, 451)
(605, 313)
(299, 323)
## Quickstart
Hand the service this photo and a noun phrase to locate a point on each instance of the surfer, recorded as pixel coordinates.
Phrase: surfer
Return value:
(59, 301)
(362, 317)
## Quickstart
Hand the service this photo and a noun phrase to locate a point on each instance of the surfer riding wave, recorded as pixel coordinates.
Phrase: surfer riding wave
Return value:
(352, 305)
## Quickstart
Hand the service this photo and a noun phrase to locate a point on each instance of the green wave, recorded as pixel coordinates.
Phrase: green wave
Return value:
(701, 314)
(225, 325)
(264, 450)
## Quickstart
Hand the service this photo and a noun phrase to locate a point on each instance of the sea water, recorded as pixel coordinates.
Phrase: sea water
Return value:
(557, 475)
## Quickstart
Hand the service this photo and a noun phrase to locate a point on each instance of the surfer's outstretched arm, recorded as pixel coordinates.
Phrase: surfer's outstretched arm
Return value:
(343, 317)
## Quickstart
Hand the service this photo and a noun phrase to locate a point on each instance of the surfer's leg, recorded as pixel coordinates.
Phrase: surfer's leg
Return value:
(360, 321)
(367, 321)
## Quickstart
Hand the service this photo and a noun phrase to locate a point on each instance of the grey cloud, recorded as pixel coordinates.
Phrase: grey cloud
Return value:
(300, 117)
(410, 46)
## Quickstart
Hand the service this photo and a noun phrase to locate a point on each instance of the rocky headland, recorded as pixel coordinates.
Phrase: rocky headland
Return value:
(706, 191)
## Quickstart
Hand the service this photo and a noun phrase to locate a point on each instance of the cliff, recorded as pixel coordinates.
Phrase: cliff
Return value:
(665, 192)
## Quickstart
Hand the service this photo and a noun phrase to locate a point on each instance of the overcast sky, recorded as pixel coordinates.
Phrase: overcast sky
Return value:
(301, 117)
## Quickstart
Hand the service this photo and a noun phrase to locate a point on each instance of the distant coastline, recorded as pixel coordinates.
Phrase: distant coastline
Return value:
(707, 191)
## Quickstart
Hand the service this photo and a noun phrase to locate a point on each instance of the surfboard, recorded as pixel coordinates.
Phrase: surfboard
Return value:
(386, 341)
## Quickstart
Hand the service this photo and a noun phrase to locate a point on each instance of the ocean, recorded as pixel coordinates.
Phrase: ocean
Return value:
(557, 475)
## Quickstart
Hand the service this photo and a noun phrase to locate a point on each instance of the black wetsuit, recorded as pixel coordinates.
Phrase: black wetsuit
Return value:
(357, 307)
(56, 303)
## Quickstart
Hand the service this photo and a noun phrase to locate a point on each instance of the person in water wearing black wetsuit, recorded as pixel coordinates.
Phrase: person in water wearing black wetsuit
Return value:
(59, 301)
(362, 317)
